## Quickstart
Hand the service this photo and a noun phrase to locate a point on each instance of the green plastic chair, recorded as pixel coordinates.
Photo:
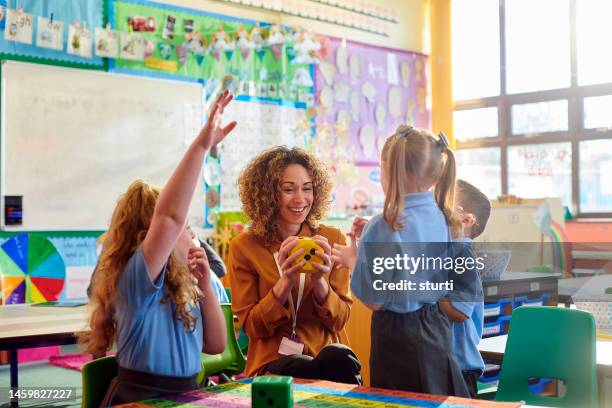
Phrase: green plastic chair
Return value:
(550, 342)
(231, 361)
(97, 376)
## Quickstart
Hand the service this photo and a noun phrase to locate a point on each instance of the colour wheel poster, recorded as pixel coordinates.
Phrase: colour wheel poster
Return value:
(31, 269)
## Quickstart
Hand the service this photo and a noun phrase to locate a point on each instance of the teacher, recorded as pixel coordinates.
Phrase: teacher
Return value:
(294, 320)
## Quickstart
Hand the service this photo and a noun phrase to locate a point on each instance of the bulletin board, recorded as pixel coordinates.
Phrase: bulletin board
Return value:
(73, 140)
(266, 73)
(65, 12)
(371, 90)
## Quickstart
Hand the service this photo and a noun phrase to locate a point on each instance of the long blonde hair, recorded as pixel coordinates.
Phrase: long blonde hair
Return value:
(419, 153)
(129, 225)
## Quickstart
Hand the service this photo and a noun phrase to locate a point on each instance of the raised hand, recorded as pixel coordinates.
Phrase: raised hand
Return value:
(212, 133)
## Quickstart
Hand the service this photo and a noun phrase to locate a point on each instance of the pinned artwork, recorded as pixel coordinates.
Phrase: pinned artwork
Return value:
(354, 101)
(326, 98)
(405, 73)
(302, 77)
(50, 34)
(132, 47)
(367, 140)
(328, 70)
(394, 102)
(169, 26)
(243, 42)
(107, 42)
(369, 91)
(276, 40)
(342, 59)
(18, 26)
(80, 40)
(380, 115)
(341, 92)
(221, 43)
(343, 119)
(380, 142)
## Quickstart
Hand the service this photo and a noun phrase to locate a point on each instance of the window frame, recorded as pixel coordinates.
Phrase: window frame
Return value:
(576, 132)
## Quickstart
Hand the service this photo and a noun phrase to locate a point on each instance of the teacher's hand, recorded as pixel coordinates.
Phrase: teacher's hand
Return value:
(324, 268)
(286, 261)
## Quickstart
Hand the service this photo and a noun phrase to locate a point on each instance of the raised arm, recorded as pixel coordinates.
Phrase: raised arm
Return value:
(172, 206)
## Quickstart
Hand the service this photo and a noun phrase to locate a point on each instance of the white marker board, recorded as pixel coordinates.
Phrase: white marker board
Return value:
(73, 140)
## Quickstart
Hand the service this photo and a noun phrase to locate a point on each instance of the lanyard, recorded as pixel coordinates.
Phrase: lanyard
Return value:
(294, 309)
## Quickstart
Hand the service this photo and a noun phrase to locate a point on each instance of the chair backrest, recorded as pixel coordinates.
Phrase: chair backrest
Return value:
(97, 376)
(231, 361)
(550, 342)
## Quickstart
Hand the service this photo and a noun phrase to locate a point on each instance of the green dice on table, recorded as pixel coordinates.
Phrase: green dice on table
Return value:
(272, 391)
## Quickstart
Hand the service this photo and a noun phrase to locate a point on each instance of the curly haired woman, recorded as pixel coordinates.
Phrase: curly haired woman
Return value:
(152, 291)
(293, 320)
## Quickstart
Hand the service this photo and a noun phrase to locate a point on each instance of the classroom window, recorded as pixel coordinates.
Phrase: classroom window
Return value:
(481, 167)
(540, 117)
(597, 112)
(537, 45)
(593, 26)
(596, 175)
(475, 48)
(475, 123)
(541, 170)
(550, 125)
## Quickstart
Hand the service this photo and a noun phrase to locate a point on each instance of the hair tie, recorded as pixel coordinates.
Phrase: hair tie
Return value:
(443, 141)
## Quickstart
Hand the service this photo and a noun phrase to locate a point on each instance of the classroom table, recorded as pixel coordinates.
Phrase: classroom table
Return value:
(28, 325)
(315, 393)
(493, 349)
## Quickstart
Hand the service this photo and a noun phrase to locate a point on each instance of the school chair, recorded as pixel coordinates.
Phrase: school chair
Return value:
(228, 363)
(555, 343)
(97, 376)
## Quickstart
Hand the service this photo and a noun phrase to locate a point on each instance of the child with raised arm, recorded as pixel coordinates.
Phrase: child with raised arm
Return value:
(152, 293)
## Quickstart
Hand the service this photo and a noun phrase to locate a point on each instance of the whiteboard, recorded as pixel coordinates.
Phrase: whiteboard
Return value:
(73, 140)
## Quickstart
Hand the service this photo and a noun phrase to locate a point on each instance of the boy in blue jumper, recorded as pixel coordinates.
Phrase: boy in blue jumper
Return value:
(465, 307)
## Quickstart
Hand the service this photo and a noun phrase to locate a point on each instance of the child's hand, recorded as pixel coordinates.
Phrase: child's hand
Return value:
(359, 224)
(198, 266)
(345, 255)
(212, 133)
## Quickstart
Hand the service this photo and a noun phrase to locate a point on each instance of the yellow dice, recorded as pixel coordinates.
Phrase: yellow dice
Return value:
(308, 255)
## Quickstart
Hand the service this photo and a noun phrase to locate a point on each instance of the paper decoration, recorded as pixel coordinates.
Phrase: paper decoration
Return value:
(326, 99)
(394, 102)
(354, 100)
(329, 71)
(306, 47)
(405, 71)
(50, 34)
(132, 47)
(342, 59)
(140, 24)
(243, 42)
(341, 92)
(369, 91)
(302, 77)
(343, 118)
(168, 33)
(220, 43)
(276, 40)
(107, 43)
(32, 270)
(367, 140)
(80, 40)
(392, 69)
(18, 26)
(380, 142)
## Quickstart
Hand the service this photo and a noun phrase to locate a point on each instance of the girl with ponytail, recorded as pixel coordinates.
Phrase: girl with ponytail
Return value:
(411, 337)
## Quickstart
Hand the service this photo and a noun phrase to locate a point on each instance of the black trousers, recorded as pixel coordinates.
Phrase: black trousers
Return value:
(335, 362)
(412, 352)
(471, 380)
